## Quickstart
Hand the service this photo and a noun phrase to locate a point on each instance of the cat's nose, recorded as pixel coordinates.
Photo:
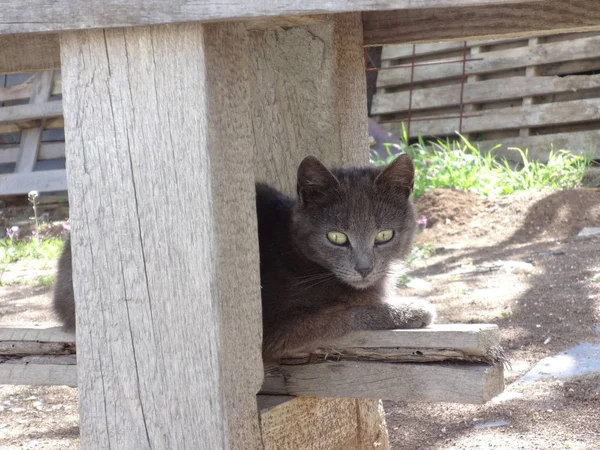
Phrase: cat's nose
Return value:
(364, 270)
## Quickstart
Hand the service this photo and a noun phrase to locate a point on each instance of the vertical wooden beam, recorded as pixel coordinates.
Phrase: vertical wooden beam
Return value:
(31, 138)
(164, 236)
(309, 98)
(530, 71)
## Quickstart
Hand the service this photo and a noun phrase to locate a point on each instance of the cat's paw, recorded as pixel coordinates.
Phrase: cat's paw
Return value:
(411, 312)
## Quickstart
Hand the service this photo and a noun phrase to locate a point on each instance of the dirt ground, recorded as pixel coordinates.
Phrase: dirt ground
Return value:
(515, 261)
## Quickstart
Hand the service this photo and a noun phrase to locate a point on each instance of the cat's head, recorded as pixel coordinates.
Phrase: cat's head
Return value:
(354, 222)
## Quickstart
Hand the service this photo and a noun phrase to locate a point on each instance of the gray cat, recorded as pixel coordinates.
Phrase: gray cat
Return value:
(325, 256)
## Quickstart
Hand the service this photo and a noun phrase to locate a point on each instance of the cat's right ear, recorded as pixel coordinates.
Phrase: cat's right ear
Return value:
(399, 174)
(315, 181)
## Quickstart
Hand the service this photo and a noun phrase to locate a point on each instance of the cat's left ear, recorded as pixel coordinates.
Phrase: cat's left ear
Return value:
(400, 174)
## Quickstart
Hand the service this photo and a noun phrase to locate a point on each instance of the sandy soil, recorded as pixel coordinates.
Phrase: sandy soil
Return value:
(515, 261)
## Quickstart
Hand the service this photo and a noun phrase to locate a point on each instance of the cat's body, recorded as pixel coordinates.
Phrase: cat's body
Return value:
(315, 285)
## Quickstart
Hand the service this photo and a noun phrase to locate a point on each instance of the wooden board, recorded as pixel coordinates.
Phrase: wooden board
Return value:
(29, 53)
(29, 145)
(48, 150)
(525, 18)
(33, 111)
(61, 15)
(24, 90)
(36, 374)
(509, 118)
(481, 92)
(498, 61)
(168, 356)
(584, 143)
(43, 181)
(432, 382)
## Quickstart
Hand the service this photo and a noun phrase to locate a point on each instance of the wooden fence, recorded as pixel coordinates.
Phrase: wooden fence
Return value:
(32, 147)
(533, 93)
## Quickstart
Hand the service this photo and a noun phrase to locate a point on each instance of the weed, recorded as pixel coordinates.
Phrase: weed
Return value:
(403, 281)
(459, 164)
(45, 280)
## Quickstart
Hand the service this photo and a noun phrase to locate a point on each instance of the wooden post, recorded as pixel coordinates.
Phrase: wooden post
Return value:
(164, 236)
(309, 97)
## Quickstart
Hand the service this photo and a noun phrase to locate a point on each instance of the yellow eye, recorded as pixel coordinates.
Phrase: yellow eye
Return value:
(384, 236)
(337, 237)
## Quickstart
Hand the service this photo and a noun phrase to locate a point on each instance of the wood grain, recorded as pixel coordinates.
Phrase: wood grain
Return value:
(61, 15)
(308, 97)
(433, 382)
(48, 150)
(29, 146)
(482, 92)
(163, 236)
(496, 61)
(437, 22)
(576, 111)
(24, 90)
(43, 181)
(28, 53)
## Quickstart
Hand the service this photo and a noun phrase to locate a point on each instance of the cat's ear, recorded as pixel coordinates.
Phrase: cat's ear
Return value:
(399, 174)
(315, 181)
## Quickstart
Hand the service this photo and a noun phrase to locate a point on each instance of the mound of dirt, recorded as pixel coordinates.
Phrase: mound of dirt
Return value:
(446, 206)
(521, 217)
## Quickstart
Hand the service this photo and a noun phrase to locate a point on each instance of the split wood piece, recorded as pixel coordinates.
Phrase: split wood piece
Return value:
(33, 341)
(50, 370)
(431, 382)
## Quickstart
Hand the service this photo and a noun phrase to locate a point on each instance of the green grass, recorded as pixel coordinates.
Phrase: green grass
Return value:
(13, 250)
(459, 164)
(45, 280)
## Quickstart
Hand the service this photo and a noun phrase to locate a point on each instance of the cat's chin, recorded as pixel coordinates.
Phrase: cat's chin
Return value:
(360, 284)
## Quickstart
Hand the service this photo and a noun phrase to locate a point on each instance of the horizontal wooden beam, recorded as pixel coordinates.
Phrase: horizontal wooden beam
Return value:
(432, 382)
(42, 181)
(529, 116)
(48, 150)
(452, 381)
(479, 21)
(38, 16)
(403, 21)
(480, 92)
(16, 127)
(497, 61)
(23, 91)
(32, 111)
(584, 143)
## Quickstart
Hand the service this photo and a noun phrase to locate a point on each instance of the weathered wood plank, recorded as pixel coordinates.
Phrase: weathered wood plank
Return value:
(433, 382)
(51, 124)
(472, 339)
(32, 341)
(24, 90)
(402, 51)
(508, 118)
(523, 19)
(32, 111)
(316, 423)
(584, 143)
(60, 15)
(481, 92)
(48, 150)
(54, 334)
(308, 97)
(43, 181)
(30, 53)
(168, 357)
(29, 146)
(36, 374)
(496, 61)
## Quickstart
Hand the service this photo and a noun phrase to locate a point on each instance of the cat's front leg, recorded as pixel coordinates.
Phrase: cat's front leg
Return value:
(409, 312)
